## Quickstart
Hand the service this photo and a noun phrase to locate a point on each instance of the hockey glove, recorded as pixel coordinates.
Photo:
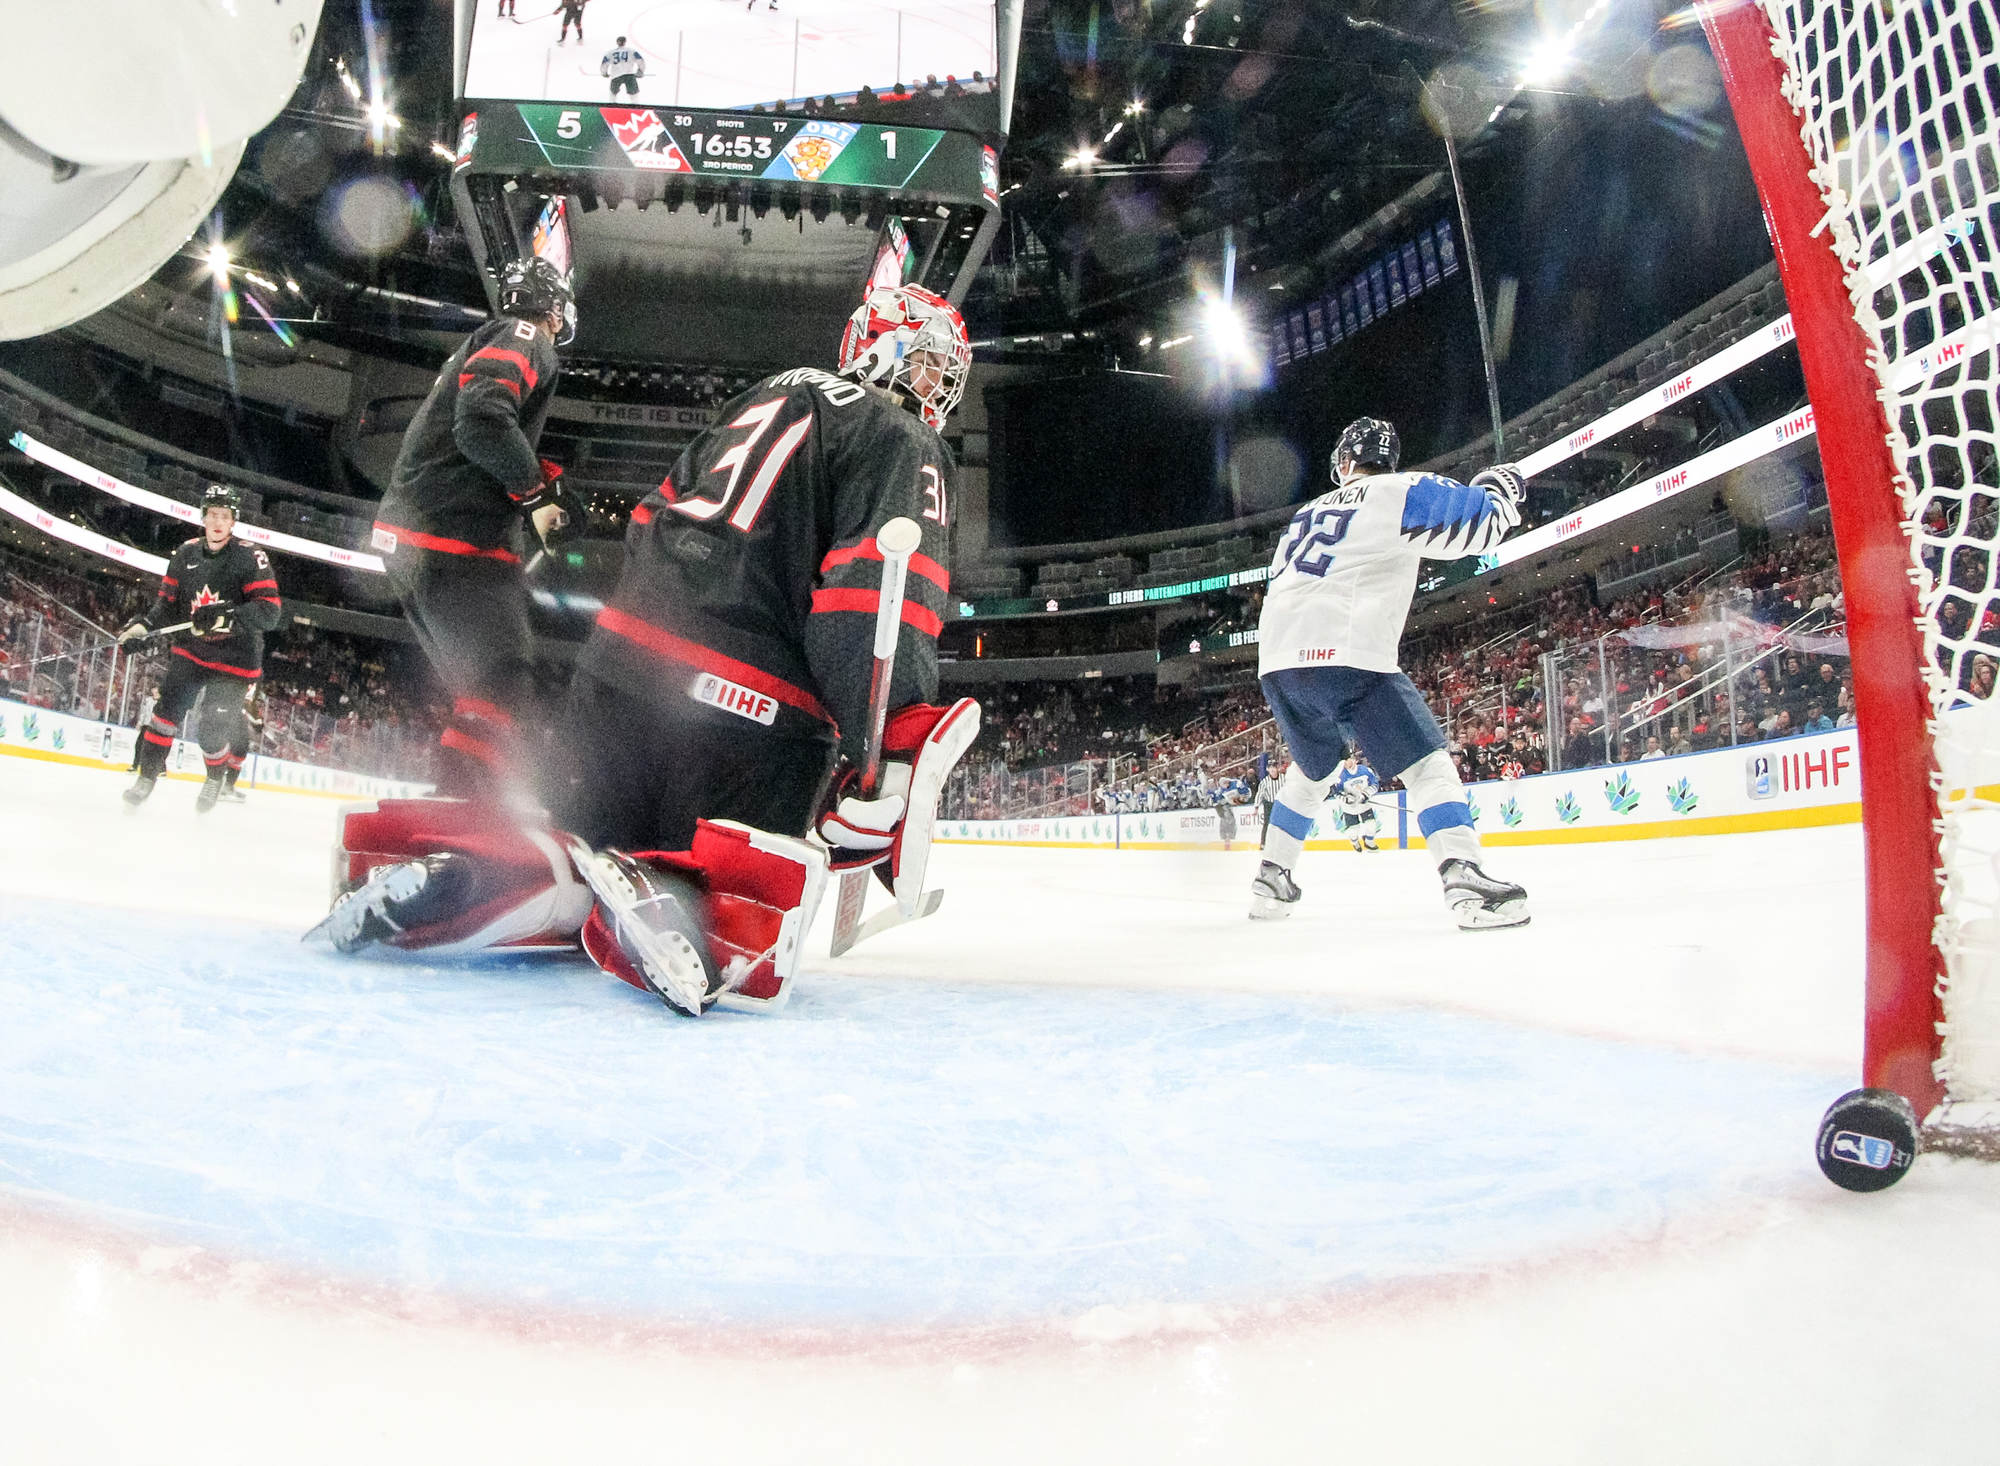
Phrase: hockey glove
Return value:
(214, 623)
(1506, 486)
(859, 831)
(920, 746)
(137, 631)
(556, 513)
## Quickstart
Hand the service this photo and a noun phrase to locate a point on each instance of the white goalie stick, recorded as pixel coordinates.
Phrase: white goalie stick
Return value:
(897, 540)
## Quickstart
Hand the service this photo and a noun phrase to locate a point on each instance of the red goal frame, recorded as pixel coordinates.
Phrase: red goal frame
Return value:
(1892, 705)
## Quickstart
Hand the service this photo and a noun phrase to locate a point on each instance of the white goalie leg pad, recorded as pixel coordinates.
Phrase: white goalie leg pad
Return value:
(936, 758)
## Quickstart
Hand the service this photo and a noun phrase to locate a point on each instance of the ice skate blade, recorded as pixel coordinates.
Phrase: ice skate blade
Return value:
(1473, 917)
(1266, 908)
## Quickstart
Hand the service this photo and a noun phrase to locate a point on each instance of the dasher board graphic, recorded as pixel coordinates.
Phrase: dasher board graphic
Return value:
(721, 54)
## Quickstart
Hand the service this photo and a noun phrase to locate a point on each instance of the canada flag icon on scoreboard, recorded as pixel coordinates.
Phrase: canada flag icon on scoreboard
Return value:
(645, 139)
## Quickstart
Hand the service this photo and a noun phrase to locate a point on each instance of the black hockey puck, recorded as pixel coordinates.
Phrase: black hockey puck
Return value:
(1868, 1139)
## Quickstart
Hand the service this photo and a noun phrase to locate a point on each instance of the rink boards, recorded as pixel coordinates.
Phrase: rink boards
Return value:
(38, 733)
(1792, 783)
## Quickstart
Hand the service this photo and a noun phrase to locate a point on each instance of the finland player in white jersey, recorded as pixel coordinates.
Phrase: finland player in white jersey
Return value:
(1333, 617)
(624, 65)
(1355, 786)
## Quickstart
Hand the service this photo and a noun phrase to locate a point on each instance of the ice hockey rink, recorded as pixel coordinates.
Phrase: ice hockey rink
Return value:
(700, 53)
(1086, 1168)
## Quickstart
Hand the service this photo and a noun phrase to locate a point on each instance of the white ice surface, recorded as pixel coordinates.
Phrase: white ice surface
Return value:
(1087, 1167)
(705, 55)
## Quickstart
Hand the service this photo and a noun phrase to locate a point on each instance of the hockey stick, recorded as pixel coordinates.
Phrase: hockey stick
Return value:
(897, 540)
(84, 651)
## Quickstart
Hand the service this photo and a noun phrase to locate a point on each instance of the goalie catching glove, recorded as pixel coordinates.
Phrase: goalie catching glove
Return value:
(921, 744)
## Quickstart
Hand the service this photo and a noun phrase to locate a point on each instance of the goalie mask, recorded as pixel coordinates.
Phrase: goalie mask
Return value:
(910, 340)
(1368, 442)
(533, 289)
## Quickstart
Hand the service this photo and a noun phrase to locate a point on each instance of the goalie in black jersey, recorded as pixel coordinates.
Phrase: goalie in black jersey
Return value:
(449, 529)
(229, 593)
(725, 675)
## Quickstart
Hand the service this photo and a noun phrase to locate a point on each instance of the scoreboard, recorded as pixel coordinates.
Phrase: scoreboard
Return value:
(530, 138)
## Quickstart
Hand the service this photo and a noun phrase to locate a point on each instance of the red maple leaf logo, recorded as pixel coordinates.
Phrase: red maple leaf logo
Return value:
(645, 139)
(204, 597)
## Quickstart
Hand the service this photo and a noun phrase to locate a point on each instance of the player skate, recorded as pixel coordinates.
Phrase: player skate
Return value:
(1273, 893)
(140, 792)
(1478, 901)
(211, 790)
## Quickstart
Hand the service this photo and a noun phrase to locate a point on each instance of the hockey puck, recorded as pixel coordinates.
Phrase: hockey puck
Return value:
(1867, 1140)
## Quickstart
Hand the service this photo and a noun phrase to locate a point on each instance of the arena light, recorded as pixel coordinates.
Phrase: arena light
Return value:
(1136, 107)
(216, 256)
(1547, 62)
(1081, 158)
(347, 81)
(1225, 328)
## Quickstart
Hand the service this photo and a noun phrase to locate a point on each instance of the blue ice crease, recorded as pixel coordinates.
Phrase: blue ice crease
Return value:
(880, 1152)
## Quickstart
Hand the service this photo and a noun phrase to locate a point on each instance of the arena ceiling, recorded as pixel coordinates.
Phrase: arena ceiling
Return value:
(1145, 135)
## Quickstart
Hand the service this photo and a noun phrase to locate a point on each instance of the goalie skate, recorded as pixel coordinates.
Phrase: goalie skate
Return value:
(1478, 901)
(655, 919)
(1273, 893)
(392, 898)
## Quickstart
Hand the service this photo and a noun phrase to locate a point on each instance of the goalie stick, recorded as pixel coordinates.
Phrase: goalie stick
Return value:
(898, 540)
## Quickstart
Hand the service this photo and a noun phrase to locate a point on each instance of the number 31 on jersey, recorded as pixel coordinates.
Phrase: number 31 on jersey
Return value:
(933, 494)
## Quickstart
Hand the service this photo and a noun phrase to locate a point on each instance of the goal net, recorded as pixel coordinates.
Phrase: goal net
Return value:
(1873, 130)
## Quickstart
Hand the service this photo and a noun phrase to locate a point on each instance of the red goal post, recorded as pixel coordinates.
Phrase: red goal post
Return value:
(1872, 128)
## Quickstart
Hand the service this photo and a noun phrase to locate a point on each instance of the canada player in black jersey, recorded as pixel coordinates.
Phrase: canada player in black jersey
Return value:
(449, 530)
(229, 592)
(725, 674)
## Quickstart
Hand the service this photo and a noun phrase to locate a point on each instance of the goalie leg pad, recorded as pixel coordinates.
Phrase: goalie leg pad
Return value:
(763, 891)
(519, 891)
(936, 756)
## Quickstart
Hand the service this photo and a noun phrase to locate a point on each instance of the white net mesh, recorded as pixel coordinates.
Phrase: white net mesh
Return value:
(1900, 109)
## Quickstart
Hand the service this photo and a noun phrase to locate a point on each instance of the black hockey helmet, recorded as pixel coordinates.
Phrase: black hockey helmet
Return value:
(533, 288)
(222, 496)
(1367, 442)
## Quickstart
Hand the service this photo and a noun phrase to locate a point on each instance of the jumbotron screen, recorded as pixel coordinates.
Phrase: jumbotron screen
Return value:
(919, 61)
